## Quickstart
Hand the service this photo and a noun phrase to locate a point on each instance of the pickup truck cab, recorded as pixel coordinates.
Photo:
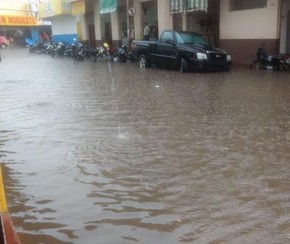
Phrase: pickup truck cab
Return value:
(180, 50)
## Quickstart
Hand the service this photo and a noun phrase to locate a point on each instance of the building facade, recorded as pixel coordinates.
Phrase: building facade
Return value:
(19, 20)
(246, 25)
(238, 26)
(63, 23)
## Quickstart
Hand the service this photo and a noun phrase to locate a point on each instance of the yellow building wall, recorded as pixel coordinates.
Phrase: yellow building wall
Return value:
(14, 8)
(52, 8)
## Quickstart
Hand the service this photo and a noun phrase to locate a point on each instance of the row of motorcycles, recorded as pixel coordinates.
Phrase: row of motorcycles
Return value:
(78, 51)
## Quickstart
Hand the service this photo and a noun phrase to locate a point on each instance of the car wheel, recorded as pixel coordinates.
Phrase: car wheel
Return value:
(228, 67)
(183, 65)
(143, 61)
(3, 46)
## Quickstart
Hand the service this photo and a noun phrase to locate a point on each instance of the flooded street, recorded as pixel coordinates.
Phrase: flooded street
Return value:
(98, 153)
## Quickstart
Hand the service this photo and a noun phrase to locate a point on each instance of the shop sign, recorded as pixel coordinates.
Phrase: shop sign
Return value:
(108, 6)
(17, 20)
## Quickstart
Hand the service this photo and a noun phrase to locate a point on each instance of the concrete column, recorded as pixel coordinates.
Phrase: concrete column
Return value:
(97, 21)
(83, 27)
(164, 17)
(184, 21)
(115, 27)
(138, 27)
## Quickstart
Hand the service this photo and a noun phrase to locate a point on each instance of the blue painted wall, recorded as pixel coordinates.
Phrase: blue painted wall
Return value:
(65, 38)
(35, 34)
(64, 28)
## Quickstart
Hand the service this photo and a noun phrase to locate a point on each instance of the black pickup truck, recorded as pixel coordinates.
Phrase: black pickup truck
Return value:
(180, 50)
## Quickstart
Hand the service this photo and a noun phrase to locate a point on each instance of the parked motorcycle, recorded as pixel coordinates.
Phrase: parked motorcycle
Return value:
(59, 50)
(28, 42)
(37, 47)
(50, 47)
(88, 52)
(124, 55)
(103, 52)
(265, 61)
(77, 50)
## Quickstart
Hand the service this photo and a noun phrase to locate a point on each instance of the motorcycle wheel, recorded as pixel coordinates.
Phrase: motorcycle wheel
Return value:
(123, 59)
(79, 58)
(54, 54)
(284, 66)
(257, 65)
(116, 59)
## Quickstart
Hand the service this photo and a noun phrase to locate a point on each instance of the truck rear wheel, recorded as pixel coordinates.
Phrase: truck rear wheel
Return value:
(143, 61)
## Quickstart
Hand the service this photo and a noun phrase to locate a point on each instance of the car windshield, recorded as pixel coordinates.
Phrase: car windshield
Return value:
(190, 38)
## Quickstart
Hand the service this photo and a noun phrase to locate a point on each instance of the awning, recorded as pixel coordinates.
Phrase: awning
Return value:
(179, 6)
(197, 5)
(108, 6)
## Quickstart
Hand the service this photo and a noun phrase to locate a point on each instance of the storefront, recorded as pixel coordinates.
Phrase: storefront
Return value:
(16, 28)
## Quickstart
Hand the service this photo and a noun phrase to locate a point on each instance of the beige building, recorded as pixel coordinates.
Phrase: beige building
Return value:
(127, 18)
(238, 26)
(243, 28)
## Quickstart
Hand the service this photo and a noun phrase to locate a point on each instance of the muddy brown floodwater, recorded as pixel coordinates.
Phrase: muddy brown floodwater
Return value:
(98, 153)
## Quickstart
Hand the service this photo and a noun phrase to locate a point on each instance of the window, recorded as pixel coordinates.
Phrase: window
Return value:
(236, 5)
(179, 6)
(167, 36)
(189, 38)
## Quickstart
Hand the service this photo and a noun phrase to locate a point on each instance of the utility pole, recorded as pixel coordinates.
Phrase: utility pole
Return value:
(128, 22)
(131, 11)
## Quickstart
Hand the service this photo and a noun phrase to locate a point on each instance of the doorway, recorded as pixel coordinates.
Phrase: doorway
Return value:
(285, 27)
(150, 16)
(106, 28)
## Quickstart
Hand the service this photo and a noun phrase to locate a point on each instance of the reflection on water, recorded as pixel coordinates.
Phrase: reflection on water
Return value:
(153, 156)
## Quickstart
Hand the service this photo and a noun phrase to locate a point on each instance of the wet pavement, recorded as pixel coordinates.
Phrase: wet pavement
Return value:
(98, 153)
